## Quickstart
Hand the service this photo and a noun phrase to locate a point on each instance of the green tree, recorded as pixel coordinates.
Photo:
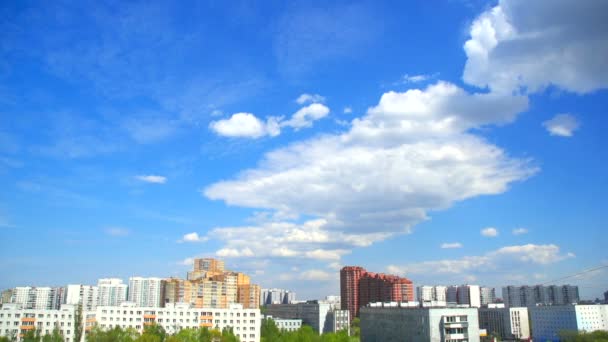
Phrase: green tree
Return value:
(269, 331)
(355, 327)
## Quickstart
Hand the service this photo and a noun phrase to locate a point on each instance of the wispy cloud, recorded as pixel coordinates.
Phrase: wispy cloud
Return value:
(310, 98)
(562, 125)
(520, 231)
(117, 231)
(449, 245)
(155, 179)
(489, 232)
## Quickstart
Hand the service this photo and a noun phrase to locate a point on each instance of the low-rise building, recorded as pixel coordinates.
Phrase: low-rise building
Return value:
(549, 321)
(319, 315)
(245, 323)
(286, 324)
(508, 323)
(393, 322)
(15, 320)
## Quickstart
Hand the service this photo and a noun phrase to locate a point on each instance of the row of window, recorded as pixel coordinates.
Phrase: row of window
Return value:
(69, 324)
(17, 315)
(181, 313)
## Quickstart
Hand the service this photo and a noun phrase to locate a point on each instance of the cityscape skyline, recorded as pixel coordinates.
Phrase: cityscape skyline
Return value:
(449, 143)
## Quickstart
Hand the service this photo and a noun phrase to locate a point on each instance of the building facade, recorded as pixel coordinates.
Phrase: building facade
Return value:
(508, 323)
(81, 295)
(146, 292)
(320, 316)
(245, 323)
(111, 292)
(40, 298)
(394, 322)
(15, 320)
(519, 296)
(488, 295)
(285, 324)
(276, 296)
(359, 287)
(549, 321)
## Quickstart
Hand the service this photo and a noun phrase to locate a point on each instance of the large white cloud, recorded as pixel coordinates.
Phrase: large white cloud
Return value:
(534, 44)
(410, 154)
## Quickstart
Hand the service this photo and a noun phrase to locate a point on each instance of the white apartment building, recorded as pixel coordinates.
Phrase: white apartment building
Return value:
(394, 322)
(321, 316)
(276, 296)
(16, 320)
(146, 291)
(548, 321)
(245, 323)
(432, 293)
(111, 292)
(509, 323)
(36, 297)
(85, 295)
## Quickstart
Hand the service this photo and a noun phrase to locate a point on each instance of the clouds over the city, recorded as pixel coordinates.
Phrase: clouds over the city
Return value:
(562, 125)
(409, 154)
(505, 256)
(518, 45)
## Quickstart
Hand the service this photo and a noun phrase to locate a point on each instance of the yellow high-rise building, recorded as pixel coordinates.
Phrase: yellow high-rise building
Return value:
(210, 285)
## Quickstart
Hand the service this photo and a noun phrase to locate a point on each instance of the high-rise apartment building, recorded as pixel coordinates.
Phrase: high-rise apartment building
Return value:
(277, 296)
(16, 320)
(81, 295)
(359, 287)
(146, 291)
(349, 289)
(519, 296)
(210, 285)
(40, 298)
(469, 295)
(452, 294)
(111, 292)
(488, 295)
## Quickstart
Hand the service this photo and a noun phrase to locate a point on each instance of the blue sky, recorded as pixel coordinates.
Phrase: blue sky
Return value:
(453, 142)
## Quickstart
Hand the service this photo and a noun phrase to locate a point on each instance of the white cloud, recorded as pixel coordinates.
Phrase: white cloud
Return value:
(410, 154)
(305, 116)
(489, 232)
(117, 231)
(448, 245)
(187, 262)
(193, 237)
(520, 231)
(316, 275)
(347, 110)
(323, 254)
(234, 253)
(310, 98)
(152, 179)
(562, 125)
(246, 125)
(502, 258)
(517, 44)
(417, 78)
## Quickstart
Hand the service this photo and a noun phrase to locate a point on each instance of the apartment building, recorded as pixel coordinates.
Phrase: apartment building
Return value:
(16, 320)
(84, 295)
(245, 323)
(518, 296)
(146, 292)
(42, 298)
(359, 287)
(276, 296)
(401, 322)
(111, 292)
